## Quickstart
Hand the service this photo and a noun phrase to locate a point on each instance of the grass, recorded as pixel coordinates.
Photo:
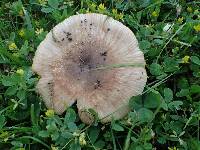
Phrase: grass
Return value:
(166, 116)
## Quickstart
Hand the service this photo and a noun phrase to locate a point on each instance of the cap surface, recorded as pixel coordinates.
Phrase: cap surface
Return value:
(79, 61)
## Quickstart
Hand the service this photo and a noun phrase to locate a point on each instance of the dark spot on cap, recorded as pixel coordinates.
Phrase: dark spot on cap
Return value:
(103, 54)
(104, 58)
(81, 21)
(85, 20)
(91, 24)
(97, 84)
(84, 60)
(82, 43)
(108, 29)
(68, 33)
(63, 39)
(50, 84)
(70, 39)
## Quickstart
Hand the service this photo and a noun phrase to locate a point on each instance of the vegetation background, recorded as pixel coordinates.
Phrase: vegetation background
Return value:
(165, 117)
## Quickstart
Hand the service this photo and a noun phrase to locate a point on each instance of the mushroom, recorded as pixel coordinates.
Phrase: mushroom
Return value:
(94, 60)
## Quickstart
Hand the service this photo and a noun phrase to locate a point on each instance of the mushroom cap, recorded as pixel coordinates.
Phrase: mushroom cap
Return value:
(77, 62)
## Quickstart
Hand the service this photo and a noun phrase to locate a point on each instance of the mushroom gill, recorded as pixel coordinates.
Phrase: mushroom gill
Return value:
(75, 62)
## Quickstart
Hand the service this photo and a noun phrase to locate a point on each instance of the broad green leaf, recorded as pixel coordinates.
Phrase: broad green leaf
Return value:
(194, 144)
(70, 116)
(66, 134)
(164, 105)
(152, 100)
(100, 144)
(168, 94)
(43, 133)
(158, 41)
(53, 3)
(136, 102)
(145, 115)
(117, 127)
(17, 143)
(21, 94)
(134, 116)
(155, 69)
(195, 89)
(47, 10)
(148, 146)
(11, 90)
(161, 140)
(72, 126)
(175, 105)
(75, 146)
(94, 133)
(24, 49)
(182, 93)
(55, 136)
(170, 65)
(183, 83)
(195, 60)
(7, 81)
(51, 127)
(145, 45)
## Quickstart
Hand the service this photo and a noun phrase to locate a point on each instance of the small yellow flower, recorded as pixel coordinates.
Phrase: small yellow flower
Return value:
(128, 121)
(173, 148)
(82, 140)
(54, 148)
(4, 135)
(180, 20)
(49, 113)
(189, 9)
(185, 59)
(120, 16)
(93, 5)
(39, 31)
(101, 8)
(197, 28)
(20, 72)
(12, 46)
(116, 15)
(42, 2)
(37, 23)
(154, 14)
(114, 11)
(21, 13)
(21, 33)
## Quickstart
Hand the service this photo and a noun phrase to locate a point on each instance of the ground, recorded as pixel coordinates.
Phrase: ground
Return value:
(165, 117)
